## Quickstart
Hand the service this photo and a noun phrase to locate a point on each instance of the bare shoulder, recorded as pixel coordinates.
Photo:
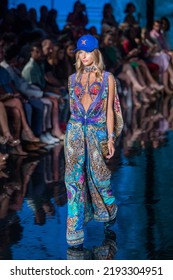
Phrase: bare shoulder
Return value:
(71, 79)
(71, 76)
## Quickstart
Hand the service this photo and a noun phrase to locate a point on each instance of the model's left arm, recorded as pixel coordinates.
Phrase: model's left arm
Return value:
(114, 115)
(119, 123)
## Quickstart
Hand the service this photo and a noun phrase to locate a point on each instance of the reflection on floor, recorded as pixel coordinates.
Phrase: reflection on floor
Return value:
(33, 201)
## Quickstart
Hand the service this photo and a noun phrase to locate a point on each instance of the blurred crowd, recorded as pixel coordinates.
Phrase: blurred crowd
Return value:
(36, 58)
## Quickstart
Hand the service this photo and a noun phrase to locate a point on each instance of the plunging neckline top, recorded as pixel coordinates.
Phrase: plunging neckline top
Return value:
(93, 90)
(76, 92)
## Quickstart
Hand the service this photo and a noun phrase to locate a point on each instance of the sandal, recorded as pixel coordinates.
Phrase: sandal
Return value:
(61, 138)
(3, 140)
(27, 135)
(10, 141)
(13, 143)
(12, 186)
(3, 157)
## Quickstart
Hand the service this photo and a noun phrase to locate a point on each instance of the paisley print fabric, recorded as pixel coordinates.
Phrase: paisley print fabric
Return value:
(87, 177)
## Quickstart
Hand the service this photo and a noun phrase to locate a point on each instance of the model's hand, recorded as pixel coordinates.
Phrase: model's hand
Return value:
(111, 149)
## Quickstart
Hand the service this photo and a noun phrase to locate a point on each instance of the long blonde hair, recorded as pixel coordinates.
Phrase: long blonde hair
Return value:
(98, 63)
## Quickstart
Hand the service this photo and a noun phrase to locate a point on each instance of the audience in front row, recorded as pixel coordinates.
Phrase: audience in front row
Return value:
(36, 58)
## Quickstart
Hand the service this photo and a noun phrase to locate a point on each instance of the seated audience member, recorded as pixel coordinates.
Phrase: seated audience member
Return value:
(121, 68)
(11, 98)
(6, 137)
(160, 58)
(79, 15)
(162, 48)
(108, 16)
(129, 18)
(69, 58)
(32, 13)
(33, 107)
(51, 80)
(43, 17)
(133, 55)
(157, 36)
(34, 73)
(58, 65)
(52, 27)
(22, 22)
(42, 106)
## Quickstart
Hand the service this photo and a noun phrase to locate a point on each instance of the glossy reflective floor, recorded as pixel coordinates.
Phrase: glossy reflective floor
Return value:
(33, 217)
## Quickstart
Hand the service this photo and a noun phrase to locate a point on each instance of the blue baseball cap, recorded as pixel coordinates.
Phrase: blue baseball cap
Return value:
(87, 43)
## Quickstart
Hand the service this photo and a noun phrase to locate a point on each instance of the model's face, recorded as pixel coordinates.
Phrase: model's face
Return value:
(86, 58)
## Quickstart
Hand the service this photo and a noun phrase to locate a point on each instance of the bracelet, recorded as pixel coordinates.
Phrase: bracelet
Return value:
(111, 135)
(110, 141)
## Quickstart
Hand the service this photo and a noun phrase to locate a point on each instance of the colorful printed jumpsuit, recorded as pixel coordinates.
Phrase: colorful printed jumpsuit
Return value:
(87, 177)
